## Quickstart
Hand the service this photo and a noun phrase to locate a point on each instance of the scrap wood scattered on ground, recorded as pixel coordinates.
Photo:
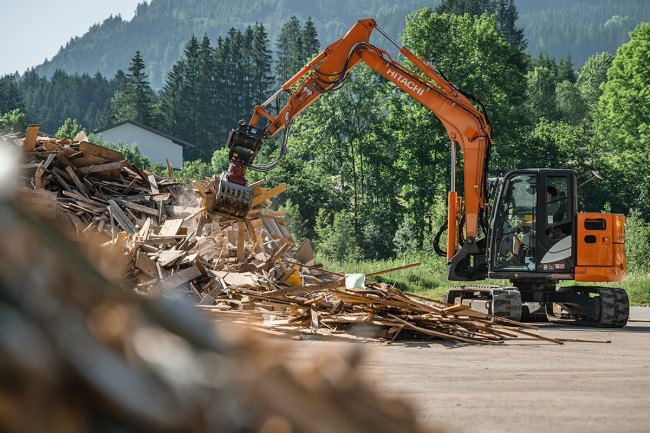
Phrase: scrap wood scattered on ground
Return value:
(249, 269)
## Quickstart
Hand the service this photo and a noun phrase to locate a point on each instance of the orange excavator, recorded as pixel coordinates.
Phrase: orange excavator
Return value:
(532, 235)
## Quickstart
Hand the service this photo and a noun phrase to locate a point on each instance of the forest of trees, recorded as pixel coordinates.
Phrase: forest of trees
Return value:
(367, 167)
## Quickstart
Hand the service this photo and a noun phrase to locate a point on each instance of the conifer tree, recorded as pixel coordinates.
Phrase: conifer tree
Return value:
(188, 100)
(135, 99)
(311, 45)
(290, 50)
(262, 64)
(206, 140)
(506, 14)
(565, 71)
(10, 95)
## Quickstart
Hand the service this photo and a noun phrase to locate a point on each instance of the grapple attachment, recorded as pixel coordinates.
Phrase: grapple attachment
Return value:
(232, 198)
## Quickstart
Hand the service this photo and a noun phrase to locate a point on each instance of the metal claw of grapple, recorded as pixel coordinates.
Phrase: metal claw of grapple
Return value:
(232, 198)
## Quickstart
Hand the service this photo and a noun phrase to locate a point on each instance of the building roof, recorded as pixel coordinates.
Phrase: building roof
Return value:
(148, 128)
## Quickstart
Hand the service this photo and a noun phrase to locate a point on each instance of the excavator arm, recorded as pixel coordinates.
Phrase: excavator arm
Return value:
(465, 125)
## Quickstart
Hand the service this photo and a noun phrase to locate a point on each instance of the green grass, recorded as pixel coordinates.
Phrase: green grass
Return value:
(638, 289)
(637, 286)
(429, 279)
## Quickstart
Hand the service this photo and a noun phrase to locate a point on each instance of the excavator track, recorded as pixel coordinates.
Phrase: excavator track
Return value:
(611, 309)
(604, 307)
(495, 300)
(614, 307)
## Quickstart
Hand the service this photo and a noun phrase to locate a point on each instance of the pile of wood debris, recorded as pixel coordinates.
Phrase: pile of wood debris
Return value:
(175, 245)
(78, 354)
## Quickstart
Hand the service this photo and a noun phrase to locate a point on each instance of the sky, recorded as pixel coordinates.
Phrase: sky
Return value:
(33, 30)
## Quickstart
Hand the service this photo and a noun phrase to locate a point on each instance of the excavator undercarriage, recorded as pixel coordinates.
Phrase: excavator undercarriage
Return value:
(605, 307)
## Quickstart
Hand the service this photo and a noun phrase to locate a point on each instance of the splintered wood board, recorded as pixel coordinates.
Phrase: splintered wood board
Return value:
(170, 227)
(101, 151)
(180, 277)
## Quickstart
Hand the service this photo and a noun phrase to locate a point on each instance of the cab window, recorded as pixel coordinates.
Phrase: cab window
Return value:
(516, 241)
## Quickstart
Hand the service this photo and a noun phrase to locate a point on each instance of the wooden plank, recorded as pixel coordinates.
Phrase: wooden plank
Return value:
(288, 291)
(144, 209)
(153, 184)
(29, 143)
(268, 194)
(170, 169)
(121, 218)
(241, 232)
(84, 199)
(75, 155)
(180, 277)
(146, 265)
(52, 146)
(400, 268)
(315, 322)
(100, 151)
(169, 257)
(130, 186)
(63, 159)
(49, 160)
(108, 166)
(143, 233)
(305, 253)
(258, 238)
(237, 279)
(80, 186)
(170, 227)
(56, 173)
(88, 160)
(39, 182)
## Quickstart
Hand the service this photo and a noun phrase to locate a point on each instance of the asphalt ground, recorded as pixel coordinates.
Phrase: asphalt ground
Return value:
(602, 385)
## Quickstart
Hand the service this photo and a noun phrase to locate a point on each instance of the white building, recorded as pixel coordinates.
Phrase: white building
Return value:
(154, 144)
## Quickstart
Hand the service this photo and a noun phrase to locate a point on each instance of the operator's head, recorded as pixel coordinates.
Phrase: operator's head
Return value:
(551, 193)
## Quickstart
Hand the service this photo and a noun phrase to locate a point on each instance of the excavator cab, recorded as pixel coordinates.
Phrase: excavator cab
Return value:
(533, 225)
(537, 239)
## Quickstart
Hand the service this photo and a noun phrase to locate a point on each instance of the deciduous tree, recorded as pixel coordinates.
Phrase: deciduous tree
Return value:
(591, 77)
(623, 122)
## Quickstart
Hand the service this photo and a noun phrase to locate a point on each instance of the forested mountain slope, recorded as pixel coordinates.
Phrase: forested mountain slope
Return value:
(579, 28)
(161, 28)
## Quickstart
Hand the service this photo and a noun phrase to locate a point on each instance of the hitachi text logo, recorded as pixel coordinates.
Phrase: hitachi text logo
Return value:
(405, 81)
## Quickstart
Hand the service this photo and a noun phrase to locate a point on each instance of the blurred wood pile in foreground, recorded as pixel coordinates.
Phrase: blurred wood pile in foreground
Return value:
(79, 354)
(248, 269)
